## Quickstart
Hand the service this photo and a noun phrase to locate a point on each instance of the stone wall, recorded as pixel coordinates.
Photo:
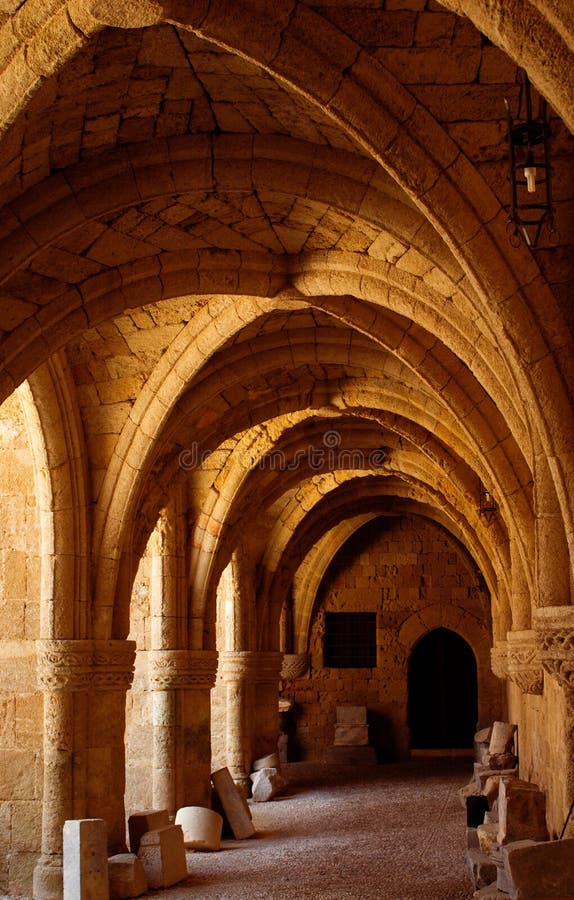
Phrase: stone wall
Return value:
(20, 703)
(542, 743)
(416, 577)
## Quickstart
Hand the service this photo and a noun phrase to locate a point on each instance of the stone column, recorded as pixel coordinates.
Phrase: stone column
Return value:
(83, 768)
(238, 676)
(267, 674)
(181, 681)
(555, 633)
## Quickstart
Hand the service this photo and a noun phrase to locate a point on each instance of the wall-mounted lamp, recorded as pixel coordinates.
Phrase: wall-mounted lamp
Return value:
(530, 172)
(487, 505)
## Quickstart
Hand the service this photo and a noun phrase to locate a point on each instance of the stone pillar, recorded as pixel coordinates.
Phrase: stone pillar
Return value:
(554, 626)
(267, 674)
(181, 682)
(552, 560)
(83, 766)
(238, 676)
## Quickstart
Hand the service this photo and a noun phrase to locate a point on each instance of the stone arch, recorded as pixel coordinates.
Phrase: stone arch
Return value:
(58, 443)
(442, 692)
(472, 631)
(347, 496)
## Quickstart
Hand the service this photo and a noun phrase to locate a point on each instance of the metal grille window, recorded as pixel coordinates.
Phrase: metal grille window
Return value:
(350, 640)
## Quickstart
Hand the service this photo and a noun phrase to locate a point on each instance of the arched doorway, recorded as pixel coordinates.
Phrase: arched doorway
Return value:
(443, 695)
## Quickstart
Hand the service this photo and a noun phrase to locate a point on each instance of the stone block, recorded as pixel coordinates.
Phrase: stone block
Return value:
(521, 812)
(483, 736)
(502, 881)
(233, 804)
(540, 869)
(266, 783)
(201, 827)
(471, 839)
(487, 838)
(271, 761)
(162, 854)
(85, 860)
(145, 820)
(472, 789)
(483, 773)
(352, 756)
(481, 868)
(351, 735)
(498, 761)
(490, 892)
(127, 877)
(351, 715)
(502, 737)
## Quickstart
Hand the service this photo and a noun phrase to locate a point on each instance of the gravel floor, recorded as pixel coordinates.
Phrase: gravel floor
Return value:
(392, 832)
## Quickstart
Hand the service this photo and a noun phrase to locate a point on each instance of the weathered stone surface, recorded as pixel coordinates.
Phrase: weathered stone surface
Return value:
(481, 868)
(351, 735)
(490, 892)
(499, 760)
(352, 756)
(127, 877)
(85, 860)
(540, 869)
(351, 715)
(162, 854)
(521, 812)
(472, 839)
(266, 783)
(233, 803)
(145, 820)
(487, 838)
(201, 827)
(271, 761)
(502, 737)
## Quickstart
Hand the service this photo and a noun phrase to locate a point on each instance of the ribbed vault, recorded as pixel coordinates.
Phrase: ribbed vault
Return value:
(255, 270)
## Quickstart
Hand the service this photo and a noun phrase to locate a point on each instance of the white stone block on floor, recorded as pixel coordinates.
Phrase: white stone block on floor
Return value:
(127, 877)
(351, 715)
(266, 784)
(540, 869)
(162, 854)
(85, 860)
(201, 827)
(145, 820)
(233, 804)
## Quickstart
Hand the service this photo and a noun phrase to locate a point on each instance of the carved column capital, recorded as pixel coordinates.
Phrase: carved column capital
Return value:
(237, 665)
(554, 626)
(524, 664)
(499, 659)
(294, 665)
(256, 666)
(182, 669)
(268, 667)
(86, 665)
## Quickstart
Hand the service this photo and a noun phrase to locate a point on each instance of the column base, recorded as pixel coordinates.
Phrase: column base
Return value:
(48, 879)
(243, 783)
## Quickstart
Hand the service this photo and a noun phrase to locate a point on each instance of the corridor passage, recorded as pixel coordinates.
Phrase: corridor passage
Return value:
(391, 832)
